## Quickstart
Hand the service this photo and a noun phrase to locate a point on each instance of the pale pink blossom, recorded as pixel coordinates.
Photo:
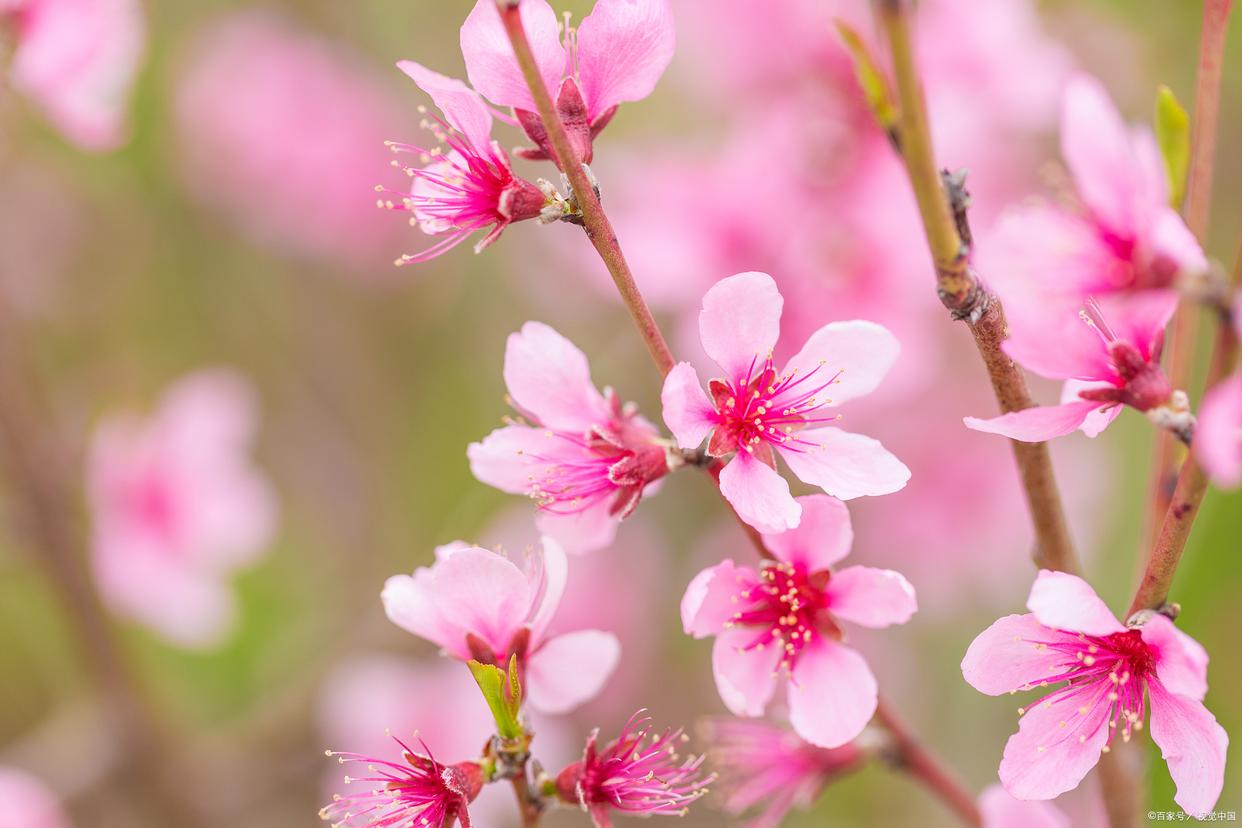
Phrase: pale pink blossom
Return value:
(638, 773)
(479, 604)
(466, 183)
(177, 505)
(615, 55)
(77, 59)
(779, 625)
(1108, 673)
(280, 132)
(1000, 810)
(768, 769)
(1218, 433)
(27, 802)
(756, 412)
(582, 456)
(1108, 353)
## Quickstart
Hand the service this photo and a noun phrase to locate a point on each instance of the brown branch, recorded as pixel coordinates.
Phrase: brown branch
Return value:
(913, 758)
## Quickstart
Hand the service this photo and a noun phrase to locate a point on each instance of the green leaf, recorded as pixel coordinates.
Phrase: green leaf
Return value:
(1173, 136)
(504, 706)
(874, 87)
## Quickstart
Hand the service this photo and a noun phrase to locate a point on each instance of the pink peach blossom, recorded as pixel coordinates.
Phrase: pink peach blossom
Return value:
(768, 768)
(617, 54)
(1107, 351)
(478, 604)
(1001, 810)
(467, 188)
(27, 802)
(755, 412)
(177, 505)
(77, 59)
(1105, 669)
(582, 456)
(1218, 434)
(779, 625)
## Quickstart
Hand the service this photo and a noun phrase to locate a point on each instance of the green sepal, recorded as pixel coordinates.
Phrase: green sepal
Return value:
(1173, 136)
(870, 79)
(505, 706)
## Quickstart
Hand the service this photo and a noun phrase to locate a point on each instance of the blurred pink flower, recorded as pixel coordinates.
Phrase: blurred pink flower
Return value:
(280, 131)
(471, 186)
(755, 412)
(77, 59)
(1071, 636)
(1218, 434)
(617, 54)
(1108, 351)
(767, 768)
(418, 791)
(584, 458)
(781, 623)
(26, 802)
(478, 604)
(1001, 810)
(637, 774)
(177, 505)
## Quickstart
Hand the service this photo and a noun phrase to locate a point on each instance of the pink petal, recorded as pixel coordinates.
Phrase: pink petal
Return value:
(1140, 316)
(571, 669)
(1181, 662)
(871, 597)
(844, 465)
(463, 109)
(759, 495)
(1011, 655)
(1067, 602)
(26, 801)
(1100, 418)
(586, 530)
(549, 377)
(623, 48)
(709, 600)
(740, 322)
(410, 603)
(490, 64)
(1095, 143)
(1000, 810)
(484, 593)
(688, 412)
(832, 694)
(1056, 743)
(546, 579)
(1171, 240)
(1035, 425)
(822, 537)
(1193, 745)
(745, 678)
(1218, 435)
(863, 352)
(515, 458)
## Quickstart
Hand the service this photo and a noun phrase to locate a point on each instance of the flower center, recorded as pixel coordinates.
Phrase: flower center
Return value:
(764, 408)
(786, 608)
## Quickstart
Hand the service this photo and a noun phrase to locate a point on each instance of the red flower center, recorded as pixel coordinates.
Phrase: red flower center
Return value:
(764, 409)
(786, 608)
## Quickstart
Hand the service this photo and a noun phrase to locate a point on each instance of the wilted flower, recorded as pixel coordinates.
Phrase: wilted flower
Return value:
(1107, 672)
(582, 456)
(756, 412)
(177, 505)
(779, 625)
(636, 773)
(478, 604)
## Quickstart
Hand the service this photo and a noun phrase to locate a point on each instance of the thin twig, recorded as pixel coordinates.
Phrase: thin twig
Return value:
(913, 758)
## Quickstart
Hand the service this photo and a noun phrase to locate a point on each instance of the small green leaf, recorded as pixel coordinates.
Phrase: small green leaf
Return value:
(874, 87)
(515, 688)
(1173, 136)
(491, 680)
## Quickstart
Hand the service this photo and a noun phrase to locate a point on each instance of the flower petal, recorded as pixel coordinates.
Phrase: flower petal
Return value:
(871, 597)
(822, 537)
(571, 669)
(745, 678)
(1181, 662)
(586, 530)
(1056, 744)
(843, 464)
(546, 579)
(484, 593)
(490, 63)
(1095, 143)
(862, 352)
(1097, 420)
(759, 495)
(1193, 744)
(1035, 425)
(1010, 655)
(515, 458)
(624, 47)
(688, 412)
(409, 602)
(832, 694)
(1067, 602)
(463, 109)
(1172, 241)
(1218, 434)
(740, 322)
(1000, 810)
(548, 376)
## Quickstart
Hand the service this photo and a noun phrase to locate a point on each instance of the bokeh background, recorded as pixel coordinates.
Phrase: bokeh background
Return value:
(237, 228)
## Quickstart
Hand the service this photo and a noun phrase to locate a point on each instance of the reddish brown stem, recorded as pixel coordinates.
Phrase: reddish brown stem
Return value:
(910, 756)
